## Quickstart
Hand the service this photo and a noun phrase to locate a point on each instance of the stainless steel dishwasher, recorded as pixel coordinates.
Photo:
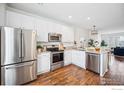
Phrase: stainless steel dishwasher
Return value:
(93, 62)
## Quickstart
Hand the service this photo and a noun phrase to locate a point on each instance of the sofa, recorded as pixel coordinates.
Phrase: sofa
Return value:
(119, 51)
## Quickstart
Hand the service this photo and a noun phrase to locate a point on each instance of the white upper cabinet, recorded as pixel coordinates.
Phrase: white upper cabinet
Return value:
(57, 28)
(27, 22)
(41, 28)
(2, 14)
(17, 20)
(13, 19)
(67, 34)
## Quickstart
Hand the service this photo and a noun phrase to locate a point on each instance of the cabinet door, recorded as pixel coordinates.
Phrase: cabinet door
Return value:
(27, 22)
(78, 58)
(67, 34)
(13, 19)
(39, 64)
(42, 33)
(43, 63)
(74, 57)
(17, 20)
(81, 59)
(67, 57)
(2, 14)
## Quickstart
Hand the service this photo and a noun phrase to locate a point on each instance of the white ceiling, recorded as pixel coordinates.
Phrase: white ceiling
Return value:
(102, 15)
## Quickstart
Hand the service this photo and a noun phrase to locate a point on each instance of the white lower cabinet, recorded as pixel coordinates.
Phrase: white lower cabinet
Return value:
(78, 58)
(75, 57)
(67, 57)
(43, 63)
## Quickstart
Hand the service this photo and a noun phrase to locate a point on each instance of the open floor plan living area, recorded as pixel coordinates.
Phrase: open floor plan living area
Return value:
(65, 44)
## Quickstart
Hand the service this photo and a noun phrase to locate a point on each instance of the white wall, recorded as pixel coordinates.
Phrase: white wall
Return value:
(107, 31)
(112, 30)
(2, 14)
(80, 33)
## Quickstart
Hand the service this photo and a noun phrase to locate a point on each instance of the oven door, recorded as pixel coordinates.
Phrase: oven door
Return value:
(57, 57)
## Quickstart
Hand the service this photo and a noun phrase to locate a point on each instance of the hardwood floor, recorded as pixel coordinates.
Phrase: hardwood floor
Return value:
(73, 75)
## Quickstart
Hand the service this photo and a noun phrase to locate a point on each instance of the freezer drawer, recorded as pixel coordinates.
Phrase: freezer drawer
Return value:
(19, 73)
(93, 62)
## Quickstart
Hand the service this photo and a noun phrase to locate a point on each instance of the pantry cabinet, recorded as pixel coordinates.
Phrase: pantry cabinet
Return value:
(43, 63)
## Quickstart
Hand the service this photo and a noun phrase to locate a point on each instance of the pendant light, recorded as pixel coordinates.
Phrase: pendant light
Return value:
(94, 31)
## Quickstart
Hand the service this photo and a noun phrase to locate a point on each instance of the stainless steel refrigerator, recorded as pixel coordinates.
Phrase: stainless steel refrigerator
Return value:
(18, 56)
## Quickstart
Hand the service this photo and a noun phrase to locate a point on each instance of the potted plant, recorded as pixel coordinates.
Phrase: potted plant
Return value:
(39, 48)
(91, 43)
(103, 43)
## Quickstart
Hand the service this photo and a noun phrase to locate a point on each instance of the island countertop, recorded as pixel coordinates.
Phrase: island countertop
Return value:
(97, 52)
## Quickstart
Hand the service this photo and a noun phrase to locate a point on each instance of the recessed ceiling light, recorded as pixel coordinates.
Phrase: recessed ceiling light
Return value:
(88, 18)
(69, 17)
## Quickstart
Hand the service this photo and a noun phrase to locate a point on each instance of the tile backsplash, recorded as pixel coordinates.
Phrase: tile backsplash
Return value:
(66, 44)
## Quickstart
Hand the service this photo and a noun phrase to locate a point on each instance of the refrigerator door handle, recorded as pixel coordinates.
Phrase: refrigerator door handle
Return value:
(19, 66)
(19, 42)
(23, 46)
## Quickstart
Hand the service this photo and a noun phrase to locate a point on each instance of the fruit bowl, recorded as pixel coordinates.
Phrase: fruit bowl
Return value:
(97, 49)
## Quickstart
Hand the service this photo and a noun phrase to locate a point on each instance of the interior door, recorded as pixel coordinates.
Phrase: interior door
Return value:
(28, 45)
(10, 45)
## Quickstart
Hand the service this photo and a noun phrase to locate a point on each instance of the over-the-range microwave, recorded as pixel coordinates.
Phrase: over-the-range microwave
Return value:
(54, 37)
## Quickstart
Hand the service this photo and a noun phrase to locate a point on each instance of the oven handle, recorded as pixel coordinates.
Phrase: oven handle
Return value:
(57, 52)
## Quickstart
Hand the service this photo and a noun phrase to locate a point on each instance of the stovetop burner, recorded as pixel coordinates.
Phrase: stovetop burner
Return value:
(55, 49)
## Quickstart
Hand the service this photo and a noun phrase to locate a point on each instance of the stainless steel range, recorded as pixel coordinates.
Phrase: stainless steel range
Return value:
(57, 58)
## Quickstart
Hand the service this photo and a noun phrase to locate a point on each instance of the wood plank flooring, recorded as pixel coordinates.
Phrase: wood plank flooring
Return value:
(74, 75)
